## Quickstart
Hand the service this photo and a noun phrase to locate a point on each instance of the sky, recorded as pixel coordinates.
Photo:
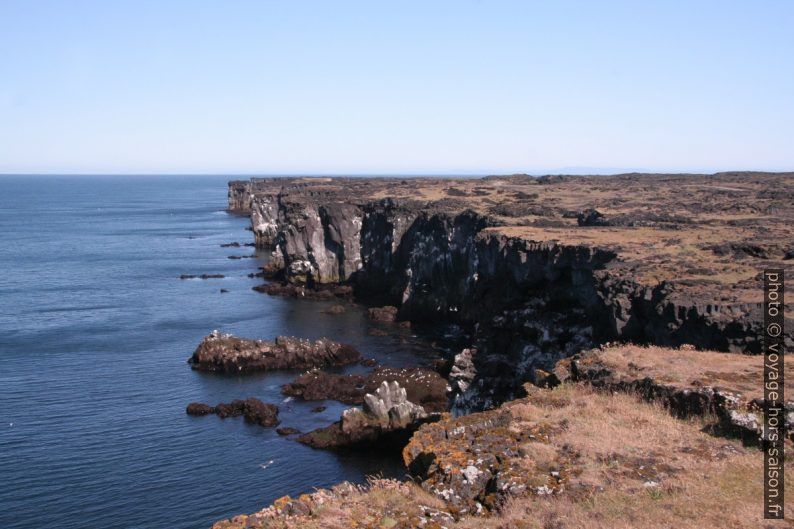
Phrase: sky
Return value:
(395, 87)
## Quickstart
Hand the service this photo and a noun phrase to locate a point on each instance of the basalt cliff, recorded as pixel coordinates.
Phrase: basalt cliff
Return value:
(529, 271)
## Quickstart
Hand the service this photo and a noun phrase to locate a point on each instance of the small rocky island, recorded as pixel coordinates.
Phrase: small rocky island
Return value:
(611, 326)
(225, 353)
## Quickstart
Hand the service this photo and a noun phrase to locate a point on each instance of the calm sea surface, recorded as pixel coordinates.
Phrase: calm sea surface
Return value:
(95, 331)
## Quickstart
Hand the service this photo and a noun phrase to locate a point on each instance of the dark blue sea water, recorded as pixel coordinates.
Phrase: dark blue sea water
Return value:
(95, 331)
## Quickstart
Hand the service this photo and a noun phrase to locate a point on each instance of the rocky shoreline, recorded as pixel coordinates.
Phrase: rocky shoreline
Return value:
(591, 445)
(534, 269)
(549, 283)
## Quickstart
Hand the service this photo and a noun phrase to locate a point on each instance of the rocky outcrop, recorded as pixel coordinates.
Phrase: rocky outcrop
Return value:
(240, 196)
(254, 410)
(379, 504)
(463, 372)
(473, 461)
(225, 353)
(387, 314)
(422, 386)
(569, 442)
(527, 296)
(687, 382)
(386, 421)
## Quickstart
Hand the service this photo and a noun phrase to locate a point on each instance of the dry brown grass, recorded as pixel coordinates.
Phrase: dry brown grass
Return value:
(380, 504)
(626, 464)
(731, 497)
(683, 367)
(622, 446)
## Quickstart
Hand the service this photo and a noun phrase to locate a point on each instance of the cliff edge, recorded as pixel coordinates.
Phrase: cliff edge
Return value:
(531, 270)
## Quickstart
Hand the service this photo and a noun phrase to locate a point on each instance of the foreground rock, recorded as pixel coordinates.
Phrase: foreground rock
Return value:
(571, 457)
(687, 382)
(254, 410)
(225, 353)
(575, 443)
(386, 421)
(422, 386)
(398, 506)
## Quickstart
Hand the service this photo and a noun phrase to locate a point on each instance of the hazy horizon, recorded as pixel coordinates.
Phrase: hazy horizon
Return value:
(442, 88)
(572, 172)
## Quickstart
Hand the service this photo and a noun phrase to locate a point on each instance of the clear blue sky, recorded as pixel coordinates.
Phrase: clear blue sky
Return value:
(426, 86)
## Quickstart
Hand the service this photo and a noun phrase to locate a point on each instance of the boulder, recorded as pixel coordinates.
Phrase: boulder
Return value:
(197, 408)
(252, 409)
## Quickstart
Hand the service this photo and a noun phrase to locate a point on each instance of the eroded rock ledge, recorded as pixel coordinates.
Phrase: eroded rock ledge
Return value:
(225, 353)
(689, 383)
(385, 422)
(422, 386)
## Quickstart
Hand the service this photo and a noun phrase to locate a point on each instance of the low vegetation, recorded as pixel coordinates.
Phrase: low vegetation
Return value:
(583, 459)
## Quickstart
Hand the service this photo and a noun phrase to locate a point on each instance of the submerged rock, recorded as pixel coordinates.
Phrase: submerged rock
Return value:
(336, 309)
(287, 431)
(228, 354)
(253, 409)
(202, 276)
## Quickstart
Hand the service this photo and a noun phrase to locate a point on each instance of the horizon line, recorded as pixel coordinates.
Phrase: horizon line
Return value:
(558, 172)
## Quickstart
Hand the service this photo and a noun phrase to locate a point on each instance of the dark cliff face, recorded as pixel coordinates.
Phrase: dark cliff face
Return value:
(524, 304)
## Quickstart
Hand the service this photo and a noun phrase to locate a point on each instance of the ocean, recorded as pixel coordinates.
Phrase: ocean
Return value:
(95, 331)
